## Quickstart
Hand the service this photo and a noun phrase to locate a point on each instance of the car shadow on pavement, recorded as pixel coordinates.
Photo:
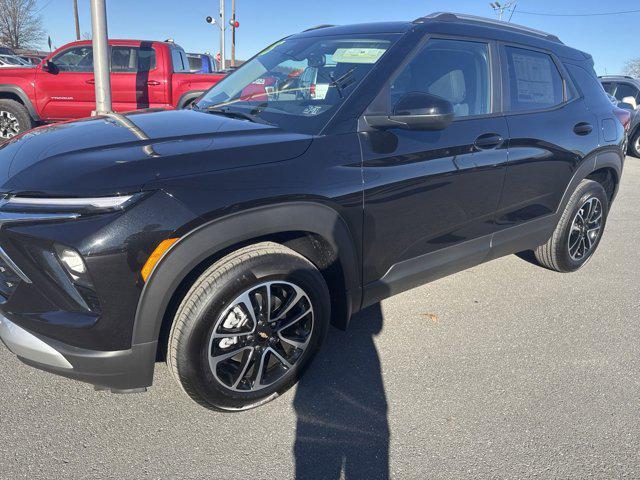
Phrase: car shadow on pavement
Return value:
(342, 427)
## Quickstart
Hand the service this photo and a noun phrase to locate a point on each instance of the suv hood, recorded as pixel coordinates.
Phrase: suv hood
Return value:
(117, 154)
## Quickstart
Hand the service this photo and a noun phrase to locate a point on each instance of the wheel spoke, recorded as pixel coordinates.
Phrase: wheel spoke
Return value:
(294, 321)
(258, 380)
(245, 367)
(215, 359)
(280, 358)
(298, 295)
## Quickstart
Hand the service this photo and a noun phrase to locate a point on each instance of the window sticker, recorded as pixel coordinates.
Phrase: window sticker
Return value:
(358, 55)
(534, 79)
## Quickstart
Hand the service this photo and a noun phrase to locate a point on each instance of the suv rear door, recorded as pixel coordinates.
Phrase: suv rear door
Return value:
(551, 131)
(429, 190)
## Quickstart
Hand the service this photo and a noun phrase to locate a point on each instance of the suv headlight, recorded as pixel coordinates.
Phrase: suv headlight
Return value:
(94, 204)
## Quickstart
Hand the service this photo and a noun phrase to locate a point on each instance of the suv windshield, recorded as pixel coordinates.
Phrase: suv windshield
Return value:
(298, 83)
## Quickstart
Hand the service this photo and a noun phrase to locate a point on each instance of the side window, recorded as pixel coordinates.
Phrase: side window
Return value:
(179, 59)
(628, 91)
(533, 79)
(77, 59)
(608, 87)
(132, 59)
(455, 70)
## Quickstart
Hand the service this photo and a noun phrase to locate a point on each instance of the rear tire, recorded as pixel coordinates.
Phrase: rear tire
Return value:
(634, 144)
(249, 327)
(14, 119)
(579, 230)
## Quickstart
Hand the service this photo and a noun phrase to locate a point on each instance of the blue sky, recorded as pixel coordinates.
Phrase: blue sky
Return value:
(612, 40)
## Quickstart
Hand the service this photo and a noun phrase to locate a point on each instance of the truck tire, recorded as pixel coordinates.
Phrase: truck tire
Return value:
(579, 230)
(248, 327)
(14, 119)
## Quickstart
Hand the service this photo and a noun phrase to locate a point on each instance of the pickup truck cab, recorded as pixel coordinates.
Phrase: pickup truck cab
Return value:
(144, 74)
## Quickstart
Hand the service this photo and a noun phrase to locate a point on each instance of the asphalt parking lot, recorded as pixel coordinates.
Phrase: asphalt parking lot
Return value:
(503, 371)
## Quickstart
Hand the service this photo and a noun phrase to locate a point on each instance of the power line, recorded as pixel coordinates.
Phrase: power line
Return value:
(602, 14)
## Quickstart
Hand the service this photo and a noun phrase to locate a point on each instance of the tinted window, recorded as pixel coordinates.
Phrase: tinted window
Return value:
(534, 80)
(195, 62)
(77, 59)
(608, 87)
(626, 90)
(132, 59)
(457, 71)
(180, 62)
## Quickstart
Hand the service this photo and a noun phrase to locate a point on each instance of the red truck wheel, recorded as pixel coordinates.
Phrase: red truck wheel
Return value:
(14, 119)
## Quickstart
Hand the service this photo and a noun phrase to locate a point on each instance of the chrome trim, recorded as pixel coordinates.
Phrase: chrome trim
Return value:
(28, 346)
(13, 266)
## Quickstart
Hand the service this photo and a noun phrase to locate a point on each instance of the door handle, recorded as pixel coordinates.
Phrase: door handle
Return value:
(583, 128)
(91, 81)
(489, 141)
(153, 83)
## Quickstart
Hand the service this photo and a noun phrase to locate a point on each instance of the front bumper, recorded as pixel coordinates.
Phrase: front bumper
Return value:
(120, 371)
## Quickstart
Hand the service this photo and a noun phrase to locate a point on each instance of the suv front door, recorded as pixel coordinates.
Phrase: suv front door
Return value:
(430, 196)
(67, 91)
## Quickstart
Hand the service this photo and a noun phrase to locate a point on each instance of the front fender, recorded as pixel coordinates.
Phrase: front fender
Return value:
(205, 241)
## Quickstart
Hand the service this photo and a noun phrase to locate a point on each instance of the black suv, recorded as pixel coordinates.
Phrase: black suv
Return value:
(226, 238)
(626, 90)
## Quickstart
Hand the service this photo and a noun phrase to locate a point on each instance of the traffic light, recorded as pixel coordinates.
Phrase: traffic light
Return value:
(234, 23)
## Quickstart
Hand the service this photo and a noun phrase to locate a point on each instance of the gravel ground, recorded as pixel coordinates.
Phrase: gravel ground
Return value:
(506, 370)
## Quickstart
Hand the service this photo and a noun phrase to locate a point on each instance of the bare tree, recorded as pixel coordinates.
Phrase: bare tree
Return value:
(632, 68)
(20, 24)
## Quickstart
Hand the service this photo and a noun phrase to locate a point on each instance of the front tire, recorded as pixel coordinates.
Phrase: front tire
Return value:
(14, 119)
(249, 327)
(579, 230)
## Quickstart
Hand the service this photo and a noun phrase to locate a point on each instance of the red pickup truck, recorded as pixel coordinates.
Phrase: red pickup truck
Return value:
(143, 75)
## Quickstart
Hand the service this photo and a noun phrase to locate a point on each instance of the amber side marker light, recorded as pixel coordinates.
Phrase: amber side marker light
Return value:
(156, 256)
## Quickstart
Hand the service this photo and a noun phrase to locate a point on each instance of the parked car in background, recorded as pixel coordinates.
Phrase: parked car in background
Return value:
(201, 63)
(144, 74)
(7, 51)
(626, 91)
(12, 61)
(31, 59)
(227, 237)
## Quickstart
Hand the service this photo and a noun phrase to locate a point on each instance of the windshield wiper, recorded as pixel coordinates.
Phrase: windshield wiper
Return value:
(233, 114)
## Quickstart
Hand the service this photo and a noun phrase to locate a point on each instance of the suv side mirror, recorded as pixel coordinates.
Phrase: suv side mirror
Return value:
(50, 67)
(416, 111)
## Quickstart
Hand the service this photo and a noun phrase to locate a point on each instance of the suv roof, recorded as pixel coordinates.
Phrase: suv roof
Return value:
(613, 78)
(459, 24)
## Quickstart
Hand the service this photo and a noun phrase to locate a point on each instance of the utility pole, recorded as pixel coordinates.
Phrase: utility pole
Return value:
(77, 19)
(505, 7)
(223, 26)
(101, 63)
(233, 33)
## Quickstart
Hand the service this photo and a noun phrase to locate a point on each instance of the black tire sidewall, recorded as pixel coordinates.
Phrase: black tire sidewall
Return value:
(587, 191)
(257, 270)
(633, 143)
(18, 111)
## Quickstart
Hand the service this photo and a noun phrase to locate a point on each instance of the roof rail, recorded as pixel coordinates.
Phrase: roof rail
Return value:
(475, 20)
(318, 27)
(617, 76)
